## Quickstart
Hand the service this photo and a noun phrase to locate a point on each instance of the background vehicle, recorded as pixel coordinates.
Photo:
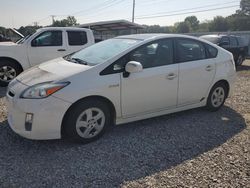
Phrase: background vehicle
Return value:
(116, 81)
(46, 44)
(4, 39)
(233, 44)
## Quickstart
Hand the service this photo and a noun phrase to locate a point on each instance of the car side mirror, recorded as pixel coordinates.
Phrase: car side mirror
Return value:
(133, 67)
(224, 43)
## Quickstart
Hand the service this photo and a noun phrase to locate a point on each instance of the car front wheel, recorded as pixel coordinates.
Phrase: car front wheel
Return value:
(86, 121)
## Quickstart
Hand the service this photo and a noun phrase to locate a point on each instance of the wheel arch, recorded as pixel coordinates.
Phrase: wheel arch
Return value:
(12, 60)
(225, 83)
(110, 104)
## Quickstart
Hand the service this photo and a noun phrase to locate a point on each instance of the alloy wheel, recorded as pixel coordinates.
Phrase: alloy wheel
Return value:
(218, 97)
(7, 73)
(90, 122)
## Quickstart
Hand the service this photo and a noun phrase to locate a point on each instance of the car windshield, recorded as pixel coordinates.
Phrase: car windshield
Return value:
(213, 39)
(102, 51)
(23, 39)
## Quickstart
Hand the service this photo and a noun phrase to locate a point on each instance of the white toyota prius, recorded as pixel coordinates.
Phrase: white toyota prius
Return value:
(116, 81)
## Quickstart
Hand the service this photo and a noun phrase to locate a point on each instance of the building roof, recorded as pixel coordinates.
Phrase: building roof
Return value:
(111, 25)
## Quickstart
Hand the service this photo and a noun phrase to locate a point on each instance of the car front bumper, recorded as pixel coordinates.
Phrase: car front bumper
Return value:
(47, 118)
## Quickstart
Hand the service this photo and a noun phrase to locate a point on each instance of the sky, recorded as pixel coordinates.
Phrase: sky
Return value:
(16, 13)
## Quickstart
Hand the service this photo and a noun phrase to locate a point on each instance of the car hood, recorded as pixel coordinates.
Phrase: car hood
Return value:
(7, 44)
(53, 70)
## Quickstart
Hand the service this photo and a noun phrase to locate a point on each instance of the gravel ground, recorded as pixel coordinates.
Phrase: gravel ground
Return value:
(194, 148)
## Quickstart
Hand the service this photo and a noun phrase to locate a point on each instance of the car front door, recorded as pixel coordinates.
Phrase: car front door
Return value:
(155, 88)
(196, 70)
(46, 46)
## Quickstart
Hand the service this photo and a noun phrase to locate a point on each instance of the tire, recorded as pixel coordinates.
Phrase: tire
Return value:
(77, 126)
(8, 71)
(239, 60)
(217, 97)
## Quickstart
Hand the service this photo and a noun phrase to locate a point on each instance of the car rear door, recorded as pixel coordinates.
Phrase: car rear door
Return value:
(76, 40)
(196, 71)
(155, 88)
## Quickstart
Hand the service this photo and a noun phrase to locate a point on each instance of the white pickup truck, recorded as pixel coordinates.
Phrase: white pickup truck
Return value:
(46, 44)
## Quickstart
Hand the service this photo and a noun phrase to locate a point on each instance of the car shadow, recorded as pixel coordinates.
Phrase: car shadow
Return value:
(128, 152)
(243, 68)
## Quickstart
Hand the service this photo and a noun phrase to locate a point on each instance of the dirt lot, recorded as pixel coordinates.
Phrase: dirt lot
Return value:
(192, 148)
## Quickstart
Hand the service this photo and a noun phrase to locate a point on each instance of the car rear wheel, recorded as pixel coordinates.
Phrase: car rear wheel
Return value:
(86, 121)
(217, 97)
(8, 71)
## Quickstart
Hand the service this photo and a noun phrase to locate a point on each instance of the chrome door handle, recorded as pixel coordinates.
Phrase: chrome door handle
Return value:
(209, 68)
(171, 76)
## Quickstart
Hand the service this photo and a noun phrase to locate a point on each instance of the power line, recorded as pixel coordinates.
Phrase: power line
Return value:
(181, 10)
(177, 14)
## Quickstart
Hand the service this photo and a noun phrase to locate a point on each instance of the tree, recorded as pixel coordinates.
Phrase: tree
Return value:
(28, 30)
(182, 27)
(69, 21)
(193, 22)
(245, 7)
(219, 23)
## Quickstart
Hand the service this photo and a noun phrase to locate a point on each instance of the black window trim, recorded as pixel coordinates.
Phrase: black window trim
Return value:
(45, 32)
(103, 72)
(67, 31)
(175, 59)
(200, 42)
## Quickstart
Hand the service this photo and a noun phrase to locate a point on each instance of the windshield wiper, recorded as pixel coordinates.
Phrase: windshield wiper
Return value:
(80, 61)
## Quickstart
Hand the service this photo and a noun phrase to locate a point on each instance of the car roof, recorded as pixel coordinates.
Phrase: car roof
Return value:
(64, 28)
(153, 36)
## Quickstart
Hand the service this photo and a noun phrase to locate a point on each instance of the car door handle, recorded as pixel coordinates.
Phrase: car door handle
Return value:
(209, 68)
(171, 76)
(61, 50)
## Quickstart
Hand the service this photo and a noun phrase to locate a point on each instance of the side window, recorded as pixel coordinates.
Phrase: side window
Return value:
(190, 50)
(225, 41)
(153, 55)
(48, 38)
(77, 38)
(212, 51)
(233, 41)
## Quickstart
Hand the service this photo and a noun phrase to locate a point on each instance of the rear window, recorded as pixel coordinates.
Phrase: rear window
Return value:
(213, 39)
(212, 51)
(77, 38)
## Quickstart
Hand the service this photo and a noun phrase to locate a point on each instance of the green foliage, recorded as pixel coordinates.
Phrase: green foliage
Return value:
(69, 21)
(219, 23)
(193, 22)
(245, 7)
(28, 30)
(183, 27)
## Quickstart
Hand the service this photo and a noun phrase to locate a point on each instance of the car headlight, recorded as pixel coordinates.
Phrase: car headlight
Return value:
(42, 90)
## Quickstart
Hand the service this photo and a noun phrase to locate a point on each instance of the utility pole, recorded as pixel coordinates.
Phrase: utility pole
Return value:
(53, 19)
(133, 13)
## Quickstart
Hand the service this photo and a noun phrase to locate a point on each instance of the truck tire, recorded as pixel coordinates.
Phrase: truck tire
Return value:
(239, 60)
(8, 71)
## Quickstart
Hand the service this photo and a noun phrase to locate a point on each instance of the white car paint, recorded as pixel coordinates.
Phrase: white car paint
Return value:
(149, 93)
(27, 55)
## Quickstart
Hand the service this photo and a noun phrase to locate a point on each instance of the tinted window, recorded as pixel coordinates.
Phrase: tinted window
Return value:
(233, 41)
(156, 54)
(48, 38)
(225, 41)
(190, 50)
(212, 51)
(77, 38)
